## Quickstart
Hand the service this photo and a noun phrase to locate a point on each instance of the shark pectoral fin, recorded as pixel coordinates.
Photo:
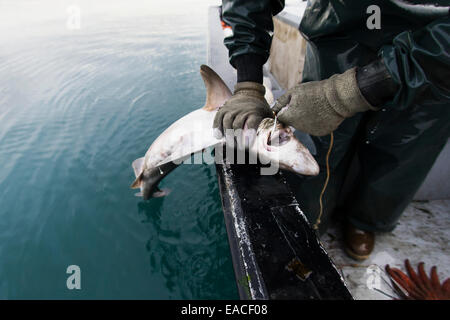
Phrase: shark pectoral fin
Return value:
(138, 166)
(161, 193)
(137, 183)
(217, 91)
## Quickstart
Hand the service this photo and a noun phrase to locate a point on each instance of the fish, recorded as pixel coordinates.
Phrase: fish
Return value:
(194, 133)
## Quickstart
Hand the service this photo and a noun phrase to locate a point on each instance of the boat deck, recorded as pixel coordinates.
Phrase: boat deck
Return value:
(422, 234)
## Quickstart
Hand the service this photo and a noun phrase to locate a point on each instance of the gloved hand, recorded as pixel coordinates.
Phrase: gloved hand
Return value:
(247, 107)
(319, 107)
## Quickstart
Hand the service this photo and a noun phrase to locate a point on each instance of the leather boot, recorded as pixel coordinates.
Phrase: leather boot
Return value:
(358, 243)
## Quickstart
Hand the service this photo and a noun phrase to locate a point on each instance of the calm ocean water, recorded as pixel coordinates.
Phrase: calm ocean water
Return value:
(79, 101)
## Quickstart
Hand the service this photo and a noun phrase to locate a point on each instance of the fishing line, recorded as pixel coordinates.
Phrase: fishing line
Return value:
(274, 125)
(327, 161)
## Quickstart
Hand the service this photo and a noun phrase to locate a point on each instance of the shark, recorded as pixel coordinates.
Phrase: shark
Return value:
(194, 133)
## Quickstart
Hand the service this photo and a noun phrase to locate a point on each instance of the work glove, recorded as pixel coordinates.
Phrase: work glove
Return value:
(319, 107)
(246, 107)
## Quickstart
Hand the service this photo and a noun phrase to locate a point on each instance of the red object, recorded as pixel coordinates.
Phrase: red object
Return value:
(224, 25)
(418, 286)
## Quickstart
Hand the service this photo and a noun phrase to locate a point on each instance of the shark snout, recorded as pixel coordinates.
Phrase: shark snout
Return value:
(306, 165)
(299, 161)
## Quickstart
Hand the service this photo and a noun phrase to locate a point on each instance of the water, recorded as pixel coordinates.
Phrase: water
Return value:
(77, 106)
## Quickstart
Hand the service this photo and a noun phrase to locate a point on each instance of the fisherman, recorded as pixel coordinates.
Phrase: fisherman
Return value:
(382, 93)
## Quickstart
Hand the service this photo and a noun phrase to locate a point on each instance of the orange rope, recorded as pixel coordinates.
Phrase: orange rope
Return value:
(316, 225)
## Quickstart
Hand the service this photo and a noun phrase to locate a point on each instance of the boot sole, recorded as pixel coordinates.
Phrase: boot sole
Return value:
(356, 256)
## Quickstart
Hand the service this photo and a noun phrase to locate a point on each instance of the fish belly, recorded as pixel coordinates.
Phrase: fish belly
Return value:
(190, 134)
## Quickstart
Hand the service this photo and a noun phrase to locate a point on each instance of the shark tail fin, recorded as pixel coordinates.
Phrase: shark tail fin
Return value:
(161, 193)
(217, 91)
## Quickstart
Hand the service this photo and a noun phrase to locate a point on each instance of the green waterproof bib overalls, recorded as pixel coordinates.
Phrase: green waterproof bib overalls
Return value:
(395, 147)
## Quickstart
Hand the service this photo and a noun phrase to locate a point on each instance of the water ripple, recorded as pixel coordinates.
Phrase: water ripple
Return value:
(76, 108)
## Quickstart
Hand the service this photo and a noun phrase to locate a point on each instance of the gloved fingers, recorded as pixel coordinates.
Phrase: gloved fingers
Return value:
(227, 121)
(239, 120)
(282, 102)
(244, 135)
(253, 121)
(217, 124)
(287, 115)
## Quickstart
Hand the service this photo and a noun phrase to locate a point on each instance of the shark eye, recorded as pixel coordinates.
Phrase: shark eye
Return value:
(279, 138)
(284, 137)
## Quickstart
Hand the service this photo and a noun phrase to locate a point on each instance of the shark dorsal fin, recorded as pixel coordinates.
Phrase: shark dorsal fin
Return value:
(217, 91)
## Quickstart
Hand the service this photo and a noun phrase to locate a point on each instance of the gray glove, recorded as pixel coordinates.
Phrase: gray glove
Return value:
(246, 107)
(319, 107)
